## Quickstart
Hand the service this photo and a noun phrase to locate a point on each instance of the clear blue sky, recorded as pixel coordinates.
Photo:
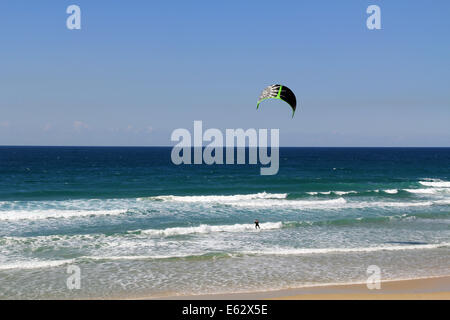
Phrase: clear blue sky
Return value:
(139, 69)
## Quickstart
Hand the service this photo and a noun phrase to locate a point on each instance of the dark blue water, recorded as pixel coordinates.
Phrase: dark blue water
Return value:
(47, 173)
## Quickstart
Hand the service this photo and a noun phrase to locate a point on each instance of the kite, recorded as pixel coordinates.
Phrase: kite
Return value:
(278, 91)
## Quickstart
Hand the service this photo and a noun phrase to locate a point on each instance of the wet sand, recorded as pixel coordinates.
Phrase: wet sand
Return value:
(436, 288)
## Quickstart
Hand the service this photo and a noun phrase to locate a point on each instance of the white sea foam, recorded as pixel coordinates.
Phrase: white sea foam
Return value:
(390, 191)
(15, 215)
(137, 257)
(436, 183)
(265, 200)
(35, 264)
(300, 251)
(339, 193)
(424, 191)
(330, 204)
(209, 229)
(318, 192)
(20, 265)
(302, 204)
(261, 200)
(366, 204)
(444, 201)
(219, 198)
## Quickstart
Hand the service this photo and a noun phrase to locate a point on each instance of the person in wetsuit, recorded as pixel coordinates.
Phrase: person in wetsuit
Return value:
(257, 224)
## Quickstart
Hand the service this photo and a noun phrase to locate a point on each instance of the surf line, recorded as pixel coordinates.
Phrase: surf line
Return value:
(213, 152)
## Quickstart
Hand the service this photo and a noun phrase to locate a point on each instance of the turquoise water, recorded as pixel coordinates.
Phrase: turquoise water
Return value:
(137, 225)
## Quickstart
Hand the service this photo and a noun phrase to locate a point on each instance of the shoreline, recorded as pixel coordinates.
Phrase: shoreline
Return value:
(431, 288)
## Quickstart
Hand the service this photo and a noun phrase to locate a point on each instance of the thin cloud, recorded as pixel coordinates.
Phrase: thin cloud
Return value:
(79, 125)
(47, 127)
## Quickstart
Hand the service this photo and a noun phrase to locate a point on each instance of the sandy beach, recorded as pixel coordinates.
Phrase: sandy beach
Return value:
(436, 288)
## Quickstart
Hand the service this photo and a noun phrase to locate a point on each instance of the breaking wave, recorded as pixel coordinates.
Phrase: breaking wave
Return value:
(15, 215)
(219, 198)
(436, 183)
(300, 251)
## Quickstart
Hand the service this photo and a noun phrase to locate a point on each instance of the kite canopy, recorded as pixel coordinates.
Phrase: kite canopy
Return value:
(278, 91)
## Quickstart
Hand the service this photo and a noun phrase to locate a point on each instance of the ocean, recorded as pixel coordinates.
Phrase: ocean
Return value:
(136, 225)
